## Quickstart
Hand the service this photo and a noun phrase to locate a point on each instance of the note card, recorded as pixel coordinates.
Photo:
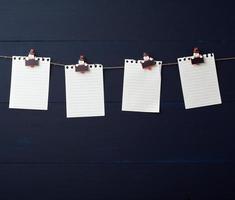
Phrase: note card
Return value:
(29, 85)
(141, 87)
(199, 82)
(84, 92)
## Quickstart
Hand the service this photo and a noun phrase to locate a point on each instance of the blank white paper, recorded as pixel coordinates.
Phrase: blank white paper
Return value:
(199, 82)
(141, 87)
(84, 92)
(29, 85)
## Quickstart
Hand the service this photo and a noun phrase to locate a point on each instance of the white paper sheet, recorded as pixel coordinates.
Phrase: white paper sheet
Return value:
(29, 85)
(141, 87)
(84, 92)
(199, 82)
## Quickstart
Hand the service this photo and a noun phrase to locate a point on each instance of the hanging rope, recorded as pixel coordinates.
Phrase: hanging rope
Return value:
(121, 67)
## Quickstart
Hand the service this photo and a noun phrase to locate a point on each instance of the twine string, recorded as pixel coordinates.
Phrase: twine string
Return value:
(121, 67)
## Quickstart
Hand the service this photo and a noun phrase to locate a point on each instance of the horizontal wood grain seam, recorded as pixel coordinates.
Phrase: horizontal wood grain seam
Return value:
(95, 163)
(114, 40)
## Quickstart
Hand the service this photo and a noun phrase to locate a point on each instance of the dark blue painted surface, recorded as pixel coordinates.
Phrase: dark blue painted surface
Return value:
(172, 155)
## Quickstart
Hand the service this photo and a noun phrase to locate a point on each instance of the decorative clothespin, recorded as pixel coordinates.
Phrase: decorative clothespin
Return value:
(30, 60)
(82, 65)
(148, 62)
(197, 57)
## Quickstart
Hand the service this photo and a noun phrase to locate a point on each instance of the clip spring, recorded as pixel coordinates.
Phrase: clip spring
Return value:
(30, 60)
(197, 57)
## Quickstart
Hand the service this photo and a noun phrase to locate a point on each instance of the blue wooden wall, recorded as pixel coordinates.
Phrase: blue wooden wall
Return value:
(178, 154)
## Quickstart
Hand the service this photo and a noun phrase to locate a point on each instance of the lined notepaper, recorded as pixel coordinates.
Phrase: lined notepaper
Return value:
(29, 85)
(141, 87)
(199, 82)
(84, 92)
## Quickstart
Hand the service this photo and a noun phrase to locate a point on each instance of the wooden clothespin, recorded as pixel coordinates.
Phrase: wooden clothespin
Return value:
(197, 57)
(148, 62)
(30, 60)
(82, 65)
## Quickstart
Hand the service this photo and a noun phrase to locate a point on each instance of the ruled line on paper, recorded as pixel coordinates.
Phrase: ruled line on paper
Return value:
(84, 92)
(29, 85)
(141, 87)
(199, 82)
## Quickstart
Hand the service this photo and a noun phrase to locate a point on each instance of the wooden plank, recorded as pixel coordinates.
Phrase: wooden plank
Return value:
(113, 54)
(121, 20)
(117, 182)
(175, 134)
